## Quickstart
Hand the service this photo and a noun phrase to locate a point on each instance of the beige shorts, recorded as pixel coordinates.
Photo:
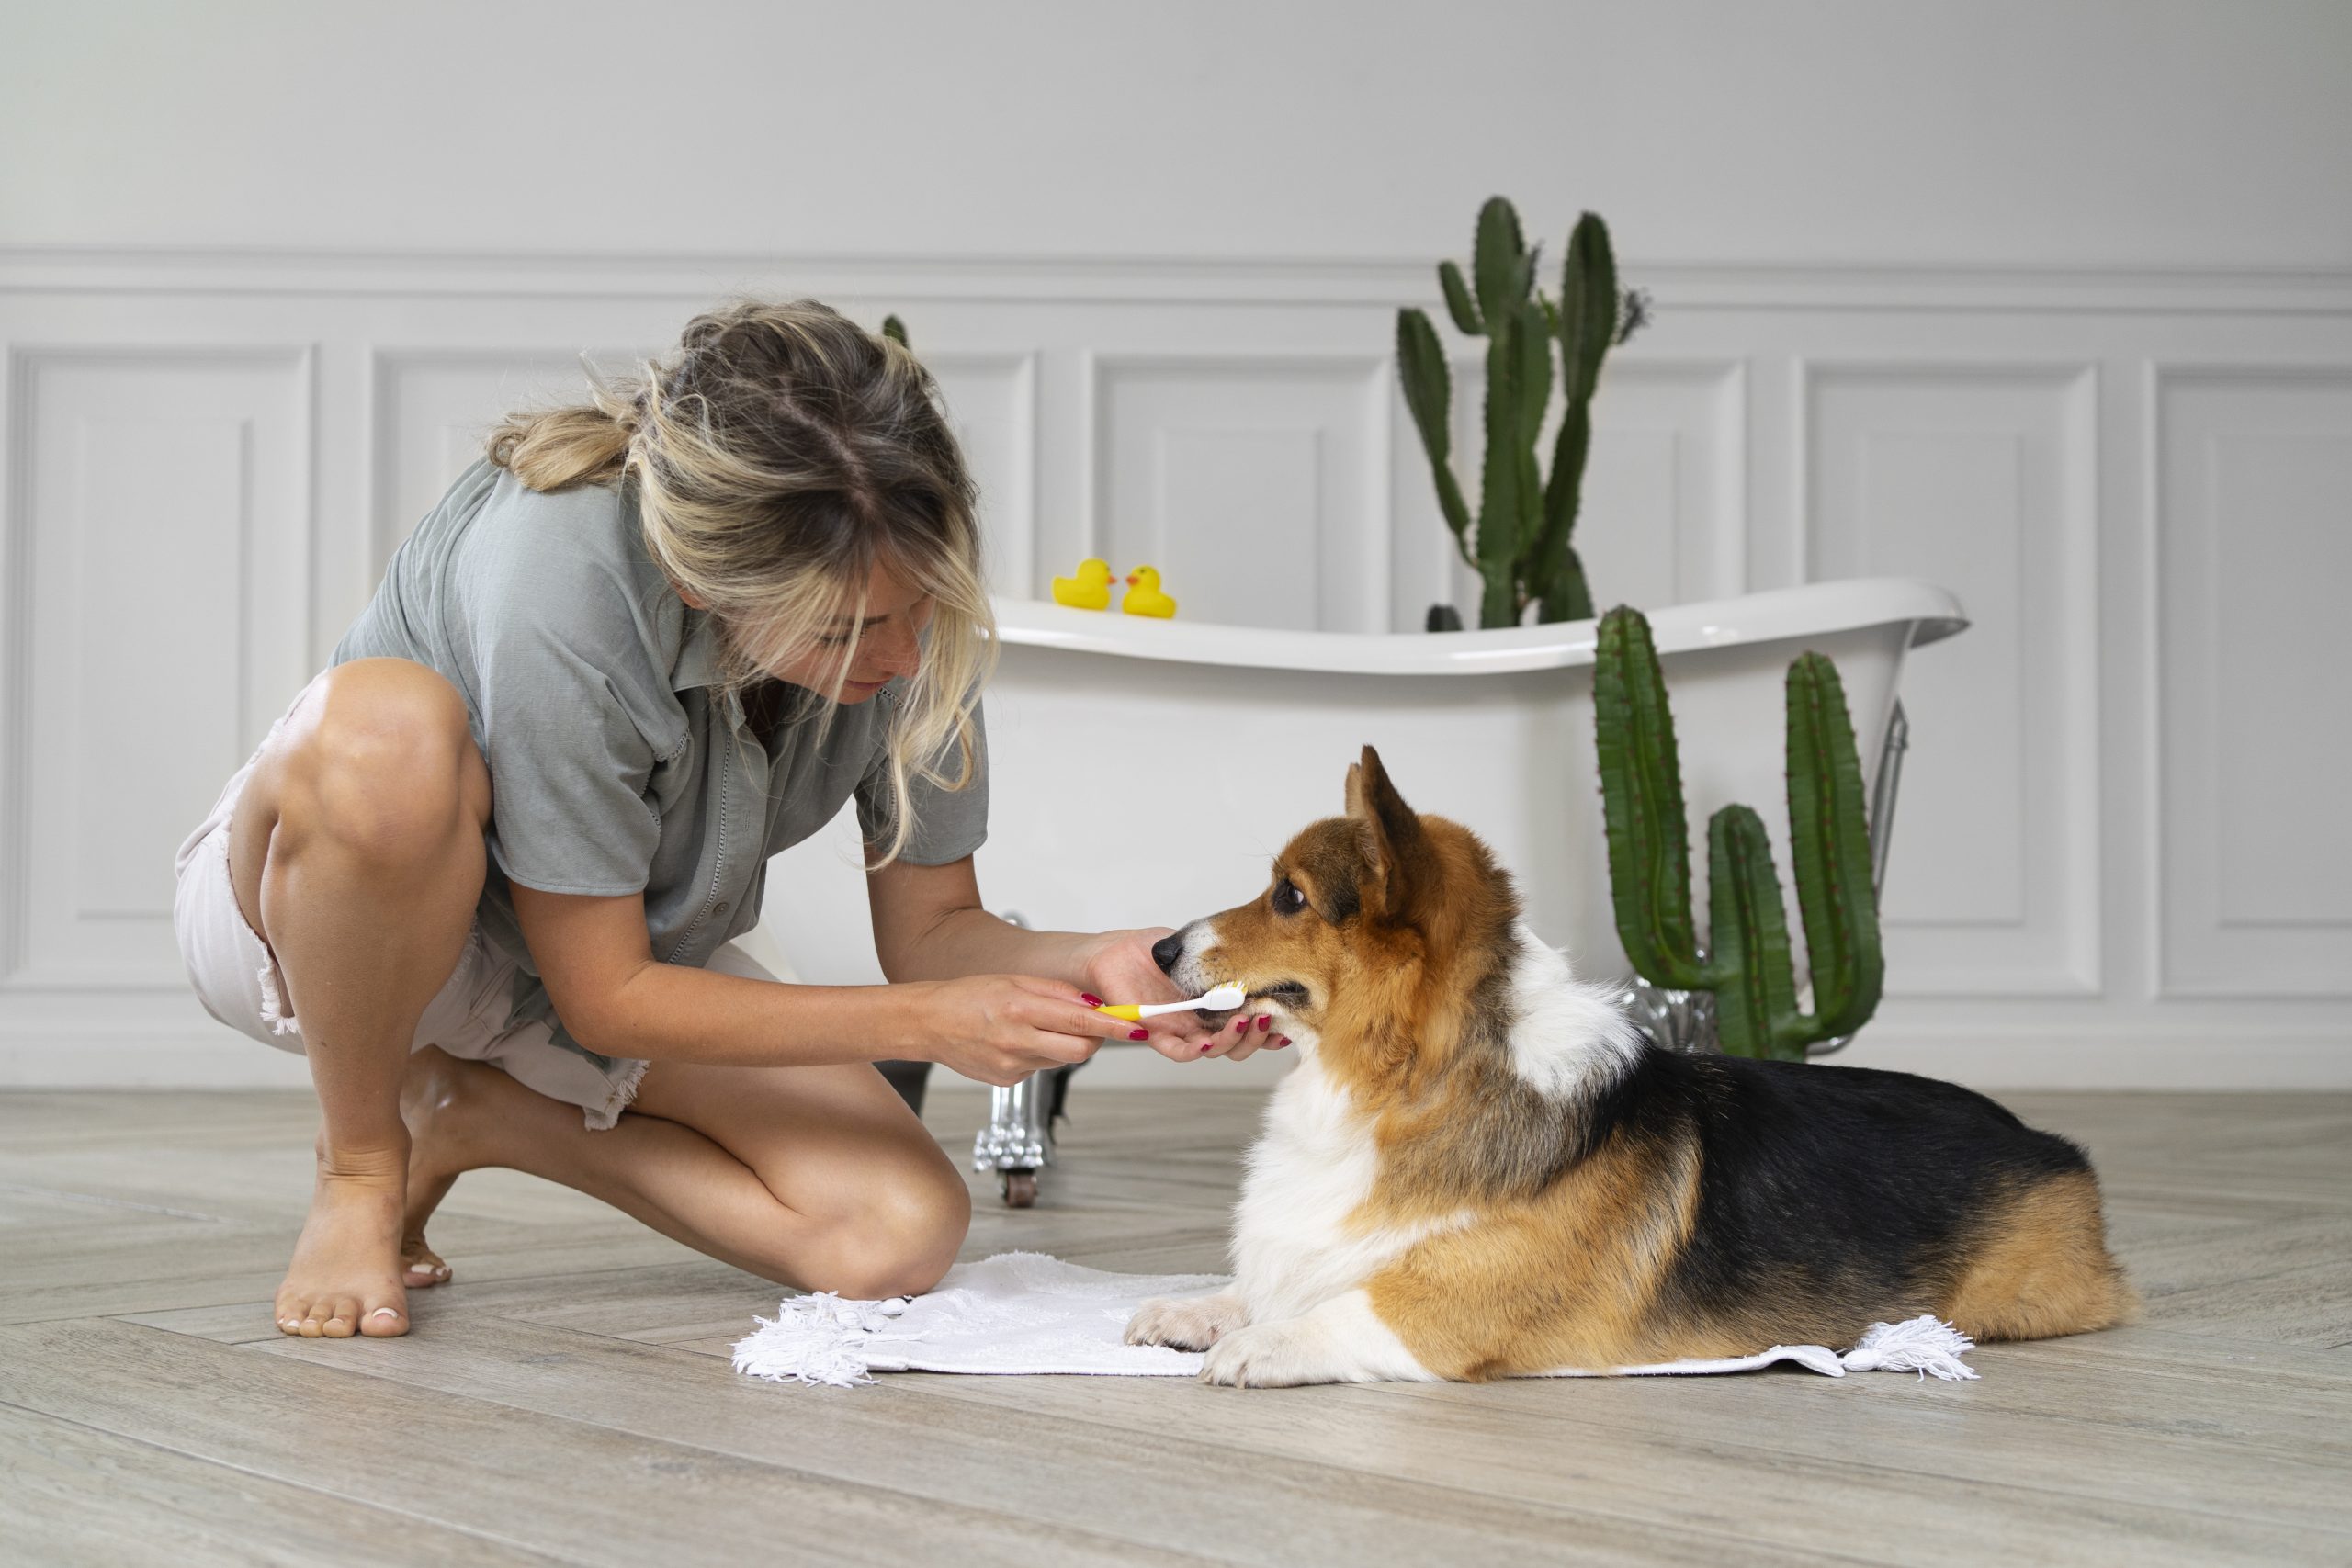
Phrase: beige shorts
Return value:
(237, 978)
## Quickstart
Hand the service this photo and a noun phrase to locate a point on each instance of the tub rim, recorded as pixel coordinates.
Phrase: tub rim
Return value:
(1772, 615)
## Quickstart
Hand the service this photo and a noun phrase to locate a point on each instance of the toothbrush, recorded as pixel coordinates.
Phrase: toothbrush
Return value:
(1218, 1000)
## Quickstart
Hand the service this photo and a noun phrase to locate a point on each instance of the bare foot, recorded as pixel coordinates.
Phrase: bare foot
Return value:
(435, 1102)
(345, 1277)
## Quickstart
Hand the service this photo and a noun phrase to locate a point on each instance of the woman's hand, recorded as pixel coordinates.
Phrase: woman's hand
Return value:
(1000, 1029)
(1120, 966)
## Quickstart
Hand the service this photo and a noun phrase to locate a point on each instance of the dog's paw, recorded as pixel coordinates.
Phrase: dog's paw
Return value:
(1186, 1323)
(1271, 1355)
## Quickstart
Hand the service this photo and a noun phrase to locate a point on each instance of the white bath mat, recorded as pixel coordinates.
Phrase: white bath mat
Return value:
(1024, 1311)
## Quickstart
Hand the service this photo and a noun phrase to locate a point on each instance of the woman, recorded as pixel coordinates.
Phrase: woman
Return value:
(486, 871)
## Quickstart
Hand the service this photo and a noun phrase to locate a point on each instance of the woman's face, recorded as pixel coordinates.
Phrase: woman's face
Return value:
(888, 643)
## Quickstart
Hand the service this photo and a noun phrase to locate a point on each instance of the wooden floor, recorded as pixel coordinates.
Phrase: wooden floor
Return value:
(569, 1399)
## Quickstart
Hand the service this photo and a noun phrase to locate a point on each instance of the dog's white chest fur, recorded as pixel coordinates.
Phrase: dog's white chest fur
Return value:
(1297, 1241)
(1293, 1243)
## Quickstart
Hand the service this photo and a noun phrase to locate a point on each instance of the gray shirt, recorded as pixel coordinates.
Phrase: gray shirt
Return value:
(614, 766)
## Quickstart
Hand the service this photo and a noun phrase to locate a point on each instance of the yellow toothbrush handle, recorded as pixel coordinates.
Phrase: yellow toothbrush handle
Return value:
(1131, 1012)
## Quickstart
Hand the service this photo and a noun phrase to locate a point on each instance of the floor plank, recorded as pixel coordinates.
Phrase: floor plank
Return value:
(1050, 1464)
(581, 1490)
(79, 1496)
(1741, 1463)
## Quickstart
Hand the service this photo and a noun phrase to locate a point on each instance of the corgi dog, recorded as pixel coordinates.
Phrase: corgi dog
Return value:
(1478, 1168)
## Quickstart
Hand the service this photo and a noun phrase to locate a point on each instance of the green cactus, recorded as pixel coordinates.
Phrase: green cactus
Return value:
(1520, 543)
(895, 330)
(1748, 961)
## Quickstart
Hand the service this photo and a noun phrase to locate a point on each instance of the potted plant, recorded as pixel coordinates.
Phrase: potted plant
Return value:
(1737, 989)
(1520, 540)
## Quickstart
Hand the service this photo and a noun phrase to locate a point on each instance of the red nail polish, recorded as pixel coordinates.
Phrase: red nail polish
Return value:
(1208, 1045)
(1138, 1033)
(1265, 1022)
(1090, 998)
(1281, 1040)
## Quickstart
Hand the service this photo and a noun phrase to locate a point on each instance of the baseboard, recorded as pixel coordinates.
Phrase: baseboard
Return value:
(164, 1039)
(2076, 1059)
(2041, 1059)
(2007, 1060)
(227, 1061)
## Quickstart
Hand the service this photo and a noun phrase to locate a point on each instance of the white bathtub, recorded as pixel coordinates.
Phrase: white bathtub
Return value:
(1144, 771)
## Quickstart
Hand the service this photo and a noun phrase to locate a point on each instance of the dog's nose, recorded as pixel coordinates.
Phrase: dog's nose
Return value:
(1167, 951)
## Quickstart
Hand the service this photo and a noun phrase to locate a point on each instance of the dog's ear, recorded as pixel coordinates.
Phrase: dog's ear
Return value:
(1399, 855)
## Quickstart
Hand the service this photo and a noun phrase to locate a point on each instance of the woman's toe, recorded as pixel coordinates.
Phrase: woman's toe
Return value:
(421, 1266)
(384, 1321)
(344, 1322)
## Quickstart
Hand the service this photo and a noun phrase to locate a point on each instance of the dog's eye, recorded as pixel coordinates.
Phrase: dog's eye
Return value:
(1288, 899)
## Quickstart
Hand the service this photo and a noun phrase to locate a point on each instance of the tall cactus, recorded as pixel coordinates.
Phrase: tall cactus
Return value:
(1746, 963)
(1520, 542)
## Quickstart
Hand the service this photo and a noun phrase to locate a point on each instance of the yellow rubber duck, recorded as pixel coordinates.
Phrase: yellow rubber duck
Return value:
(1143, 597)
(1090, 590)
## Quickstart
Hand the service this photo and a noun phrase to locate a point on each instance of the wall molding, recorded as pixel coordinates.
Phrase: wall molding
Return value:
(1158, 280)
(125, 1053)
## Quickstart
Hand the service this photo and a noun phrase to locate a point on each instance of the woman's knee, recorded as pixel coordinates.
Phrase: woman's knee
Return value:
(903, 1234)
(386, 766)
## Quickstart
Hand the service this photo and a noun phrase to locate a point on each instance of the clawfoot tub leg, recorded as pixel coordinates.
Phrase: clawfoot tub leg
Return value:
(1018, 1142)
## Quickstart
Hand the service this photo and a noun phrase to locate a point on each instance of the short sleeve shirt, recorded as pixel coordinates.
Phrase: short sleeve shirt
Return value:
(617, 765)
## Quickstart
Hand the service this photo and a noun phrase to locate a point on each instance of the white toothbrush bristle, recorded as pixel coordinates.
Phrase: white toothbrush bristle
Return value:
(1224, 997)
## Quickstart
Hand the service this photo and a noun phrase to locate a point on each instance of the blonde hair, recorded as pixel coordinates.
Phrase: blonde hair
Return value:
(776, 458)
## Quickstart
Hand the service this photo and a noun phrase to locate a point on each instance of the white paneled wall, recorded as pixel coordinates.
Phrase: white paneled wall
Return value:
(157, 564)
(2254, 559)
(431, 407)
(1257, 485)
(1676, 457)
(1980, 478)
(2118, 855)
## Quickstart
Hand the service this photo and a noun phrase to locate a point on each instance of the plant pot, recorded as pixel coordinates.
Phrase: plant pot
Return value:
(1685, 1020)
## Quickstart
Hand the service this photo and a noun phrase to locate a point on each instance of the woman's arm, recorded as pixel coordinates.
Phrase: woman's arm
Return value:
(613, 998)
(929, 924)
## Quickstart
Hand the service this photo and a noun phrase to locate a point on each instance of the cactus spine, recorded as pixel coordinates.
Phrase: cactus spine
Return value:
(1747, 963)
(1520, 543)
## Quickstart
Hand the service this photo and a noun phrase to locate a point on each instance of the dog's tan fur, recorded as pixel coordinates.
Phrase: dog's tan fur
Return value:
(2040, 1268)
